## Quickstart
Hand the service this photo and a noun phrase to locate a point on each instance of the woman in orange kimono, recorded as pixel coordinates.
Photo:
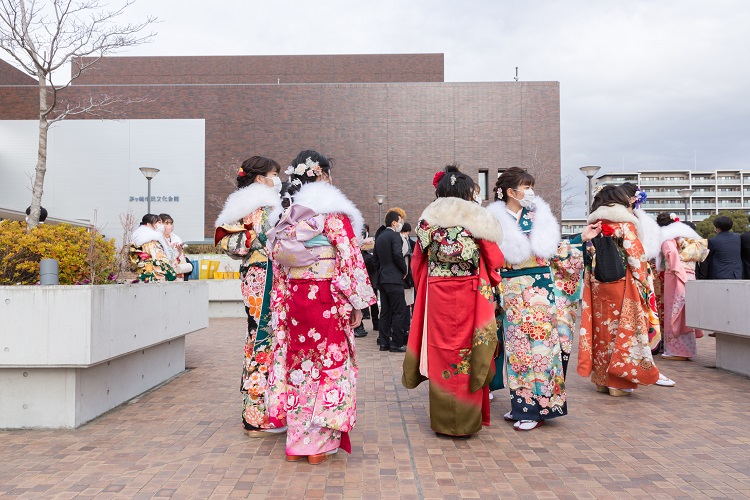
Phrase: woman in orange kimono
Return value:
(618, 316)
(453, 336)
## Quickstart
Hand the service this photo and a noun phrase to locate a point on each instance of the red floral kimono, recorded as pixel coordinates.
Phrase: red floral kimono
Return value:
(617, 317)
(453, 337)
(319, 279)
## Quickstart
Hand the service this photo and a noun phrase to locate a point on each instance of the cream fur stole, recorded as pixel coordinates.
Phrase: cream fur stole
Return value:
(451, 212)
(144, 234)
(617, 213)
(670, 232)
(651, 234)
(517, 246)
(246, 201)
(324, 198)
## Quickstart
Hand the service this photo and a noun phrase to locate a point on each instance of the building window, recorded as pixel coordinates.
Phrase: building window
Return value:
(483, 188)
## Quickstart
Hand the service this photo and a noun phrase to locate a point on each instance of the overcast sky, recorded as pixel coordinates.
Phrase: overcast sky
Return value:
(644, 83)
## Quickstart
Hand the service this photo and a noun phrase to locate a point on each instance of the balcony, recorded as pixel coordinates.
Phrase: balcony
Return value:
(702, 181)
(729, 181)
(734, 193)
(665, 182)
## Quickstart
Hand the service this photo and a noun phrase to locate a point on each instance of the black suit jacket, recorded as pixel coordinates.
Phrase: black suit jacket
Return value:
(389, 257)
(725, 259)
(745, 251)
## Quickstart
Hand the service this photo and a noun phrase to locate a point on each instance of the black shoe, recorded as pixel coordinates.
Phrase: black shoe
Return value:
(375, 326)
(397, 349)
(360, 332)
(383, 348)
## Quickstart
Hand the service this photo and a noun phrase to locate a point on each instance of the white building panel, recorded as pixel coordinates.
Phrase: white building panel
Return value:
(93, 166)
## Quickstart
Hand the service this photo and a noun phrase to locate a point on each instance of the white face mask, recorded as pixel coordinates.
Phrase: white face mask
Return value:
(160, 227)
(398, 227)
(528, 199)
(478, 198)
(276, 183)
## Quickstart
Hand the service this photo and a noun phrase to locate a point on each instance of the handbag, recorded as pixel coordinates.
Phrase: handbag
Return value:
(608, 265)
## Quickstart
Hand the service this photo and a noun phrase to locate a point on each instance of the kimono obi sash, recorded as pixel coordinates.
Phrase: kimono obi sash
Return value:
(512, 273)
(298, 244)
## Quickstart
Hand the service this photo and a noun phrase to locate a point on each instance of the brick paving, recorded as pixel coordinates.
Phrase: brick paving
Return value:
(185, 440)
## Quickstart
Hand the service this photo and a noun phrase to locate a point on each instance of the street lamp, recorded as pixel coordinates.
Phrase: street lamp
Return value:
(686, 193)
(149, 173)
(589, 171)
(380, 198)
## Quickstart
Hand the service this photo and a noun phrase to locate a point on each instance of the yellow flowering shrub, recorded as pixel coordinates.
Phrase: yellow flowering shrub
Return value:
(79, 252)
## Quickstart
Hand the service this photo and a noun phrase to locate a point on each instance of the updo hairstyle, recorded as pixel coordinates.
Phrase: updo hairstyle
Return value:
(512, 178)
(610, 196)
(664, 219)
(297, 181)
(253, 167)
(455, 184)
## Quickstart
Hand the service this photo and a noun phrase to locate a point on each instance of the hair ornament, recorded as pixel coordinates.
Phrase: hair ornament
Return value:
(309, 168)
(453, 180)
(436, 179)
(241, 172)
(640, 198)
(674, 217)
(597, 189)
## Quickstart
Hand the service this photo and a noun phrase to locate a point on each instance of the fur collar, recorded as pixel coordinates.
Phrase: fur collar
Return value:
(144, 234)
(518, 247)
(450, 212)
(678, 230)
(246, 201)
(617, 213)
(651, 240)
(324, 198)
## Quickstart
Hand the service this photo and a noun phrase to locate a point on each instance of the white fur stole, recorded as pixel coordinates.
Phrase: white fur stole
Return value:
(617, 213)
(543, 241)
(651, 240)
(246, 201)
(324, 198)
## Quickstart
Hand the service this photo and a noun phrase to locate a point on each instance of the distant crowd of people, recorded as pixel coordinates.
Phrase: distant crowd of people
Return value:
(156, 252)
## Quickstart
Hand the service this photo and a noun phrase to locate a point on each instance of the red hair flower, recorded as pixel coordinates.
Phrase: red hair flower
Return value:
(607, 230)
(436, 179)
(241, 173)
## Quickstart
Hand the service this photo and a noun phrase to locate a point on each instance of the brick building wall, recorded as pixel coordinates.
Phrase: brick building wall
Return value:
(360, 68)
(385, 138)
(10, 75)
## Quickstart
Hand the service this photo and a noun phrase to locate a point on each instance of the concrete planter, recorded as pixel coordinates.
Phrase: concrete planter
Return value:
(70, 353)
(721, 306)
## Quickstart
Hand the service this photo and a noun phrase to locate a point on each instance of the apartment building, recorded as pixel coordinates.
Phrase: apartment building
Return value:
(713, 191)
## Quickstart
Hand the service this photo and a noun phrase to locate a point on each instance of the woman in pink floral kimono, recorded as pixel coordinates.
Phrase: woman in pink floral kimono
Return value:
(320, 287)
(681, 248)
(241, 230)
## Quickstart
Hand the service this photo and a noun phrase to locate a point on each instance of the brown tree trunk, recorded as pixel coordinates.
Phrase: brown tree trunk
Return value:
(41, 163)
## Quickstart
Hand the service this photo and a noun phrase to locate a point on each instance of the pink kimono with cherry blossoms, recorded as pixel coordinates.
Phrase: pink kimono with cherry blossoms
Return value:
(319, 279)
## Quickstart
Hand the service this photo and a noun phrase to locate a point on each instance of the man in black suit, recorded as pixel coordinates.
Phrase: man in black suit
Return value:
(725, 258)
(745, 251)
(391, 272)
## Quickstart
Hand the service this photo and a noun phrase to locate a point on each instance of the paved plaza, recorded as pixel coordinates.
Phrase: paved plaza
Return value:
(185, 440)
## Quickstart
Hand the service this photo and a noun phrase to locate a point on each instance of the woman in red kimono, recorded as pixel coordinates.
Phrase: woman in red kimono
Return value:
(320, 287)
(453, 337)
(618, 317)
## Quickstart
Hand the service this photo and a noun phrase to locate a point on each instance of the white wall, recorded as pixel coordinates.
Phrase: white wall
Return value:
(93, 165)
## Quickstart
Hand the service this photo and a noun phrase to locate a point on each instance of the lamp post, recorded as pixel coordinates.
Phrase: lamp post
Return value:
(686, 193)
(589, 171)
(149, 173)
(380, 198)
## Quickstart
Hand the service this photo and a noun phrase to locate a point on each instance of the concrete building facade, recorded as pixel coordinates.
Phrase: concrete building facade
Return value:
(388, 121)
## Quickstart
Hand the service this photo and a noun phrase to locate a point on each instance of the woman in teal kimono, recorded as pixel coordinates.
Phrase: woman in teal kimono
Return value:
(540, 289)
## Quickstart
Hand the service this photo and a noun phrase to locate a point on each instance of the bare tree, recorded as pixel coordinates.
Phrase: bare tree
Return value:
(540, 167)
(42, 36)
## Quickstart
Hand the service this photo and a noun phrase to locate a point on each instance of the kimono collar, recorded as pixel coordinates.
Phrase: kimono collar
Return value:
(617, 213)
(519, 247)
(452, 212)
(323, 198)
(247, 200)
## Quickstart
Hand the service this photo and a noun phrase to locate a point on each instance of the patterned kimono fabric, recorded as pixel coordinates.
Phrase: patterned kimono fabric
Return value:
(618, 318)
(540, 300)
(679, 257)
(659, 295)
(246, 239)
(319, 279)
(151, 256)
(453, 336)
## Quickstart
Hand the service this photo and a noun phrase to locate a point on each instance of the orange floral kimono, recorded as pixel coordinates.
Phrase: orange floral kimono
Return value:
(618, 318)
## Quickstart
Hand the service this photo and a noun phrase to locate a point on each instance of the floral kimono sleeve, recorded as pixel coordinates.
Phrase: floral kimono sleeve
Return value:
(244, 237)
(567, 269)
(350, 274)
